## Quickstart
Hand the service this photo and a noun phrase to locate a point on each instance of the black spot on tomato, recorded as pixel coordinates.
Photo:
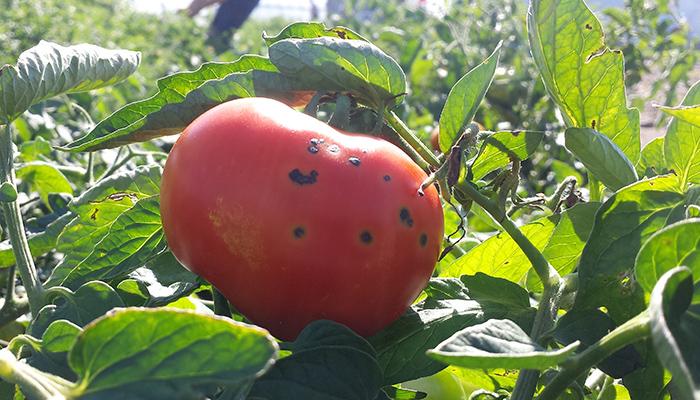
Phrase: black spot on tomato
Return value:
(366, 237)
(589, 27)
(405, 216)
(333, 148)
(300, 179)
(387, 178)
(312, 149)
(423, 239)
(93, 216)
(315, 141)
(354, 161)
(593, 124)
(299, 232)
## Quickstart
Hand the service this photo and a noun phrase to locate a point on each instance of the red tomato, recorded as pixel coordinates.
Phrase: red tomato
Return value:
(294, 221)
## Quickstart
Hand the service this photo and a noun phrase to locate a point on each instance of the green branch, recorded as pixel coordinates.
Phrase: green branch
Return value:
(395, 122)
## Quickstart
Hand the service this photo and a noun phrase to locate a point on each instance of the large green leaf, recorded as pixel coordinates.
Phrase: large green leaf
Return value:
(498, 343)
(674, 246)
(464, 99)
(328, 362)
(503, 147)
(675, 324)
(332, 64)
(563, 250)
(584, 78)
(134, 237)
(499, 256)
(181, 98)
(623, 223)
(47, 70)
(682, 144)
(141, 353)
(601, 157)
(96, 211)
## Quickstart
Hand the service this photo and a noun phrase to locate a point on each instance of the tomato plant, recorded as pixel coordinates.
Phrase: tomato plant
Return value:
(294, 221)
(567, 266)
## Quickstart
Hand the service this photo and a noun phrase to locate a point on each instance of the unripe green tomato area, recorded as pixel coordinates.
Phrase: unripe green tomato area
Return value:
(443, 385)
(295, 221)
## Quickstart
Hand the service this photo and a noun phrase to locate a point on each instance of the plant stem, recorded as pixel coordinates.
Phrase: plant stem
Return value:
(634, 330)
(15, 227)
(546, 311)
(395, 122)
(34, 385)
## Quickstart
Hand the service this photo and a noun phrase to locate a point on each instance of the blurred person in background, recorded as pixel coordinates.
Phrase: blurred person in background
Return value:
(230, 15)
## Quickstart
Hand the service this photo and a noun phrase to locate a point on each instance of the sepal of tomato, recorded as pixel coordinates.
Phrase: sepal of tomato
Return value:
(295, 221)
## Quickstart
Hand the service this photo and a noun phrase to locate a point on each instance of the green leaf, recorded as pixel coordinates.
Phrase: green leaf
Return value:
(8, 192)
(328, 362)
(307, 30)
(503, 147)
(588, 327)
(682, 144)
(162, 281)
(134, 237)
(563, 250)
(499, 256)
(601, 157)
(44, 178)
(688, 114)
(331, 64)
(395, 393)
(182, 352)
(97, 210)
(674, 246)
(60, 336)
(464, 99)
(652, 161)
(622, 224)
(47, 70)
(675, 324)
(498, 344)
(401, 347)
(90, 301)
(583, 77)
(181, 98)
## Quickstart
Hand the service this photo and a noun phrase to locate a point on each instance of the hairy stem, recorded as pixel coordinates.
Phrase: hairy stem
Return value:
(15, 227)
(33, 383)
(395, 122)
(634, 330)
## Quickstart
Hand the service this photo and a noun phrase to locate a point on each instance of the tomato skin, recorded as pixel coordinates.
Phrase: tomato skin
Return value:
(294, 221)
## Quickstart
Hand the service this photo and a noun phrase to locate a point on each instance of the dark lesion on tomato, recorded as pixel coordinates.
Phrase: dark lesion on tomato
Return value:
(366, 237)
(301, 179)
(354, 161)
(299, 232)
(405, 217)
(387, 178)
(423, 239)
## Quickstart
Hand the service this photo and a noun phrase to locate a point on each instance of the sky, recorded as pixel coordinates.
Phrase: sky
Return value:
(300, 9)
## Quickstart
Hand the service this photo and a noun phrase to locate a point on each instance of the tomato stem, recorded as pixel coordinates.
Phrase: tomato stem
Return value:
(410, 138)
(634, 330)
(34, 383)
(15, 227)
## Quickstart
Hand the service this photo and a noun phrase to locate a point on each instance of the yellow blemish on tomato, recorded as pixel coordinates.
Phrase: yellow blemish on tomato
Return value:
(239, 231)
